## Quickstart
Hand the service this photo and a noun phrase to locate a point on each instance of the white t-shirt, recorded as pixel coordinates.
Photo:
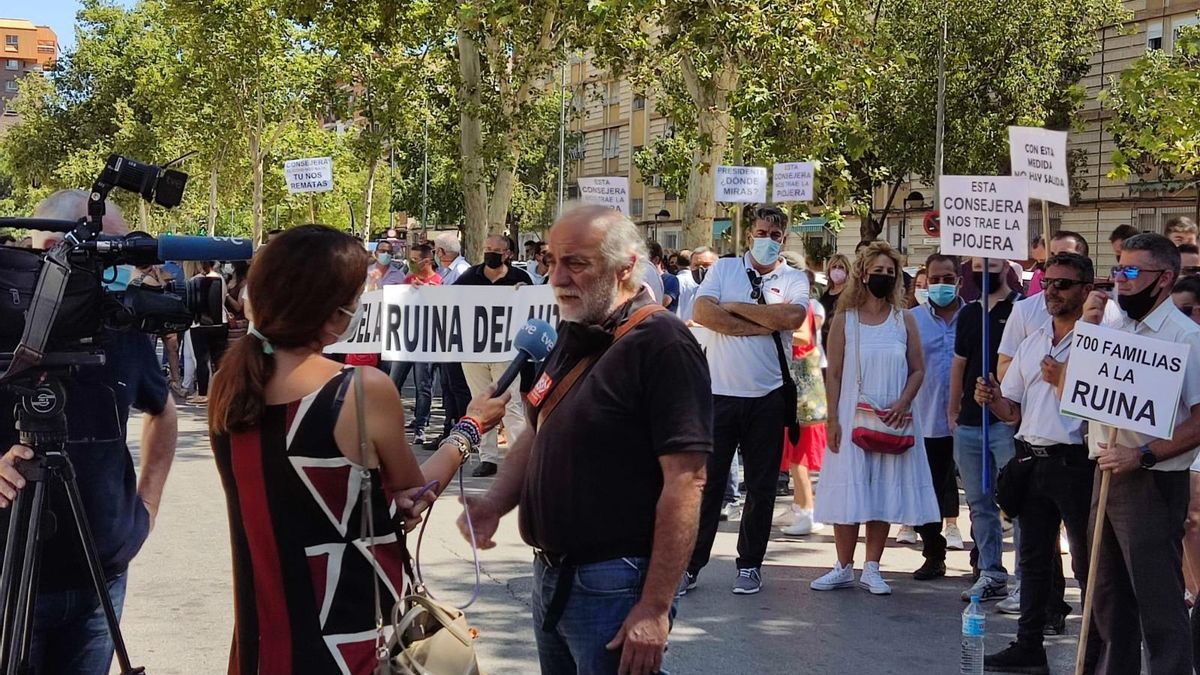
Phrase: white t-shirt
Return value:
(1041, 423)
(818, 311)
(748, 366)
(1029, 315)
(687, 294)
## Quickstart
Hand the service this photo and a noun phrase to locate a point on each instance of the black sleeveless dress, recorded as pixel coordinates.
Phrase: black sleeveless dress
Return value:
(303, 593)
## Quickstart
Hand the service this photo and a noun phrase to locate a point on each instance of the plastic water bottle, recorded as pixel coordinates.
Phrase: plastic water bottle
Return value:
(973, 625)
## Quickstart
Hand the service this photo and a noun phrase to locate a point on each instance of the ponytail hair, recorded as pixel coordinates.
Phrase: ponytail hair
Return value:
(295, 284)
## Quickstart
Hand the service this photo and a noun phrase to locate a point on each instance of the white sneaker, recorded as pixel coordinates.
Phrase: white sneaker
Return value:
(906, 535)
(1011, 604)
(987, 589)
(1064, 545)
(953, 537)
(802, 524)
(872, 581)
(838, 577)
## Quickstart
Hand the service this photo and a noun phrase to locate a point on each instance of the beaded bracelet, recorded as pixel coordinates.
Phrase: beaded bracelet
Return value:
(469, 431)
(473, 422)
(460, 443)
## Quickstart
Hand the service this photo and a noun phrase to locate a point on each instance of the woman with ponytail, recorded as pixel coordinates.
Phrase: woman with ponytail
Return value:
(284, 430)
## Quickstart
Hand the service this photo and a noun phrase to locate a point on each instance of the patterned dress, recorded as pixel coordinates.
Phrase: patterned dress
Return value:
(303, 592)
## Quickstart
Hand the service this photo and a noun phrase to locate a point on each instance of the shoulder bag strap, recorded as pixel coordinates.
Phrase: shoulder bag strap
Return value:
(556, 395)
(368, 514)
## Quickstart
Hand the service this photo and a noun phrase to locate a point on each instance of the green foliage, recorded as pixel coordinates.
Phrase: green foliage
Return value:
(1156, 125)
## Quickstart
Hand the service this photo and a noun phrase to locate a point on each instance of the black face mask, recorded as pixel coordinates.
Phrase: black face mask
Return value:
(881, 285)
(1137, 305)
(492, 259)
(699, 273)
(993, 279)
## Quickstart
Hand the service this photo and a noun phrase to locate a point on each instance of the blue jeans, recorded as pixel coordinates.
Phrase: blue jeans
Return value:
(422, 382)
(70, 634)
(601, 597)
(986, 529)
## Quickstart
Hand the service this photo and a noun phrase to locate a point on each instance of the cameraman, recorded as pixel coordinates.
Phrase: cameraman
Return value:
(69, 630)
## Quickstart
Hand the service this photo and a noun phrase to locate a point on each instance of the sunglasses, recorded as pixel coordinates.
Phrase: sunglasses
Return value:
(1061, 284)
(755, 285)
(1130, 272)
(1189, 270)
(1190, 310)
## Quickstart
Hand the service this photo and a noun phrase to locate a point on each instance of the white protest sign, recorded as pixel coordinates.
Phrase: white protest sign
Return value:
(984, 216)
(314, 174)
(610, 191)
(447, 324)
(1124, 380)
(793, 182)
(1040, 156)
(741, 184)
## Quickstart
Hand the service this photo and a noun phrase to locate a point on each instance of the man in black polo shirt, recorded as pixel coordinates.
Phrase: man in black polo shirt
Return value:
(495, 270)
(609, 475)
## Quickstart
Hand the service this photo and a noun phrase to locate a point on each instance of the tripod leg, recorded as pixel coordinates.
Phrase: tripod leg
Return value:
(93, 561)
(26, 591)
(14, 551)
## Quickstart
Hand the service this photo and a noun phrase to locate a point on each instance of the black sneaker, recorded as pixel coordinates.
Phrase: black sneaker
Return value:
(1056, 624)
(485, 469)
(1017, 658)
(689, 582)
(931, 570)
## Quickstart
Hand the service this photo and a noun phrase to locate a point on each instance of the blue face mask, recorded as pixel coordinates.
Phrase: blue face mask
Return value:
(385, 259)
(942, 294)
(765, 250)
(116, 279)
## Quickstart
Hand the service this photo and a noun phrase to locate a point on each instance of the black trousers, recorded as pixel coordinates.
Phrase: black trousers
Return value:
(1138, 590)
(208, 345)
(455, 393)
(756, 425)
(1060, 493)
(940, 452)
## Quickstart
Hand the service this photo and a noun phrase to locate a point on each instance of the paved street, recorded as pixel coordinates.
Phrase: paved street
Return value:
(179, 610)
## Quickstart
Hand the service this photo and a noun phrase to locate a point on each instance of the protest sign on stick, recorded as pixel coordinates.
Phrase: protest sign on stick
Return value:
(314, 174)
(1040, 157)
(741, 184)
(610, 191)
(793, 182)
(447, 324)
(986, 216)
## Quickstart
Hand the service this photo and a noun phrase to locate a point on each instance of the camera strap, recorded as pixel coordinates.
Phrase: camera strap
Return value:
(47, 296)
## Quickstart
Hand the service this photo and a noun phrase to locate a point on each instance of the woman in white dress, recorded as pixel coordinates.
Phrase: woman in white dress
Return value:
(871, 331)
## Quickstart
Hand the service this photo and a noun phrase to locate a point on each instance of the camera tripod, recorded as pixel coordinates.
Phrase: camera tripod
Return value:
(41, 419)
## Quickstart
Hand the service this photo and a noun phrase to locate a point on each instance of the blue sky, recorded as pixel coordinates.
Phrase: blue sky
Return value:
(58, 14)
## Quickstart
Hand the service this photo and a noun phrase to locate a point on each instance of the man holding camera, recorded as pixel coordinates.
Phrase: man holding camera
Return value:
(70, 634)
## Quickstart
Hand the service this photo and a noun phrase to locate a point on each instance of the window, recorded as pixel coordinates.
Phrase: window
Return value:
(669, 131)
(12, 64)
(612, 143)
(656, 180)
(1154, 35)
(670, 240)
(1178, 25)
(10, 85)
(639, 102)
(612, 93)
(635, 208)
(669, 196)
(573, 191)
(579, 150)
(11, 40)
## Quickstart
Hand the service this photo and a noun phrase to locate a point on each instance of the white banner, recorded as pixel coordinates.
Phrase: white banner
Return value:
(985, 216)
(1124, 380)
(793, 182)
(314, 174)
(610, 191)
(741, 184)
(1040, 156)
(447, 324)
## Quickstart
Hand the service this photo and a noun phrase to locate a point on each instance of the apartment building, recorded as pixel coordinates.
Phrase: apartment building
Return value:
(26, 49)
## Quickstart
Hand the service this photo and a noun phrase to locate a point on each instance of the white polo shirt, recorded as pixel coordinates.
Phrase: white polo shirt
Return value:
(1029, 314)
(1166, 322)
(1041, 423)
(748, 367)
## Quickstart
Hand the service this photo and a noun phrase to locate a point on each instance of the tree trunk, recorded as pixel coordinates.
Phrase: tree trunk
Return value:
(711, 98)
(143, 215)
(256, 161)
(871, 227)
(213, 172)
(475, 192)
(506, 181)
(370, 198)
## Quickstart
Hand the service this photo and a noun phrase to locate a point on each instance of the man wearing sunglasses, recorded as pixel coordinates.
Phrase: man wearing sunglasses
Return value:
(1149, 490)
(751, 305)
(1059, 481)
(1189, 260)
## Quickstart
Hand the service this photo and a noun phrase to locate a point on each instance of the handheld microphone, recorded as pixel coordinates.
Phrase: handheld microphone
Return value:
(179, 247)
(534, 342)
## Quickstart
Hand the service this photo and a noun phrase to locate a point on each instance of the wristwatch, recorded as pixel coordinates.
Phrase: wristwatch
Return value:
(1147, 460)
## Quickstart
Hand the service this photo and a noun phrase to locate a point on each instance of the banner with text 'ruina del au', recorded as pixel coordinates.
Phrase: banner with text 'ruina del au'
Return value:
(447, 324)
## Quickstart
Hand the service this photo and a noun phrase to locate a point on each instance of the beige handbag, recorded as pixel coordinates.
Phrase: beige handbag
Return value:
(428, 637)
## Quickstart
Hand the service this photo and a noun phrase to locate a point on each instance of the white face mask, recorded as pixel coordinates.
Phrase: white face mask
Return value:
(355, 319)
(227, 269)
(765, 250)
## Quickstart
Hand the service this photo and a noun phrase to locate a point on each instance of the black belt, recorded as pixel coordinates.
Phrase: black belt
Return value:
(1045, 451)
(562, 587)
